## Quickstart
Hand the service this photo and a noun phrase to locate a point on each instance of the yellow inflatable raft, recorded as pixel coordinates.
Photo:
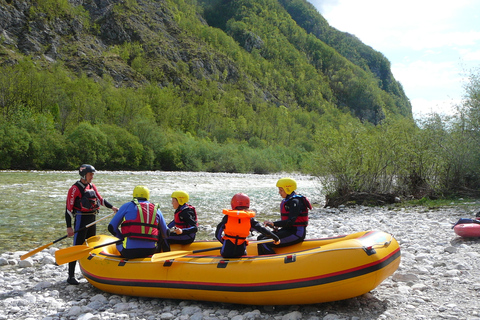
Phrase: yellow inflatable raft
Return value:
(314, 271)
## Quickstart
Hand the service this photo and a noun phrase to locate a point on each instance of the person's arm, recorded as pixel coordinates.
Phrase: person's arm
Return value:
(113, 226)
(73, 192)
(110, 206)
(187, 217)
(104, 202)
(294, 207)
(269, 234)
(162, 225)
(68, 220)
(220, 228)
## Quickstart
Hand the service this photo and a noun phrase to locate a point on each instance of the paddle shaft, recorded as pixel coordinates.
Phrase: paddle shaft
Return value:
(31, 253)
(205, 250)
(86, 227)
(106, 244)
(177, 254)
(218, 248)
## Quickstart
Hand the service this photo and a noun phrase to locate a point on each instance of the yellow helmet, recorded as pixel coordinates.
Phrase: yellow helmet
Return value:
(181, 196)
(288, 184)
(141, 192)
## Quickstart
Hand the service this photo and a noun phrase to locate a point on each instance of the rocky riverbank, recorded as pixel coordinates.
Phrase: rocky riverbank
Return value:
(438, 278)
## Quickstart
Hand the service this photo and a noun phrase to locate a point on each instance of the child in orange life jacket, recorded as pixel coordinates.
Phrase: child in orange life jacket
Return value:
(184, 225)
(294, 217)
(236, 225)
(140, 224)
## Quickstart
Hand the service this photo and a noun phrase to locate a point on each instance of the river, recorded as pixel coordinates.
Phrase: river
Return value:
(32, 203)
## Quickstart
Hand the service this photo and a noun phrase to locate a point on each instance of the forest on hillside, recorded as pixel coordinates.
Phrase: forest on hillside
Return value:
(221, 86)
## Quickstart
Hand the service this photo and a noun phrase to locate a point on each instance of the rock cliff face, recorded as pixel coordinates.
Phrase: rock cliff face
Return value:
(134, 42)
(83, 40)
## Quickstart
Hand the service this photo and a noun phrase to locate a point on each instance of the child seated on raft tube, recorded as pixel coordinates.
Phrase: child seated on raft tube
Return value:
(236, 225)
(294, 217)
(184, 225)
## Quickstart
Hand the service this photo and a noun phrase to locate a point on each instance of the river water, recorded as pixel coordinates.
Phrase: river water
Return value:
(32, 203)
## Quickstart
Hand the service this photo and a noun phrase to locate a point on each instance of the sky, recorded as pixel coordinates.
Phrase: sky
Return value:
(432, 45)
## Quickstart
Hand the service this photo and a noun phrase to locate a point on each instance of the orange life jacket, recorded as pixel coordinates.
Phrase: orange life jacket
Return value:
(238, 225)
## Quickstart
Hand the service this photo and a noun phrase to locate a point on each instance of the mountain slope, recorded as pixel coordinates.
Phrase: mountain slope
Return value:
(181, 84)
(169, 42)
(350, 47)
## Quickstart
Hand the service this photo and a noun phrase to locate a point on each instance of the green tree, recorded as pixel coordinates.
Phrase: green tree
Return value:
(14, 146)
(123, 148)
(86, 144)
(47, 148)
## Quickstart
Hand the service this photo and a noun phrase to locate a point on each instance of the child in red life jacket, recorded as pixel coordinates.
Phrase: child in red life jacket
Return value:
(236, 226)
(184, 225)
(140, 224)
(292, 226)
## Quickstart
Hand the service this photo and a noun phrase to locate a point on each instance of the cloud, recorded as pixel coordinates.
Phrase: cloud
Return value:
(325, 5)
(430, 43)
(427, 78)
(430, 39)
(409, 23)
(470, 55)
(423, 107)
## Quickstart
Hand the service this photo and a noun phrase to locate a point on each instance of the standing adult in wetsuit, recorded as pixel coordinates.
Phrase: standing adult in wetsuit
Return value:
(83, 202)
(184, 225)
(140, 224)
(236, 225)
(292, 227)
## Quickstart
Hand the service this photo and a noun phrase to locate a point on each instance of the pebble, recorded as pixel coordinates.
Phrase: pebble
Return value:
(438, 278)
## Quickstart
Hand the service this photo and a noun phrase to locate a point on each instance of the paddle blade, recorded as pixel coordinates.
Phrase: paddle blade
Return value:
(72, 253)
(169, 255)
(31, 253)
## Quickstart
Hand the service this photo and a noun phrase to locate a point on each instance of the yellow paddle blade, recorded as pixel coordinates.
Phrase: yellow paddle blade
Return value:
(31, 253)
(72, 253)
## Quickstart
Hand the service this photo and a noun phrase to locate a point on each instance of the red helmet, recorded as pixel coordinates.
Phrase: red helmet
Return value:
(240, 200)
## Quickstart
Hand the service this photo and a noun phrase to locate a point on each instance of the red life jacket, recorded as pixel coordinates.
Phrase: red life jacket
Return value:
(89, 201)
(180, 223)
(302, 218)
(145, 225)
(238, 225)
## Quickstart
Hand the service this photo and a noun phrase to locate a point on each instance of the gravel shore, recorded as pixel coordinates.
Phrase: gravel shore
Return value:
(438, 278)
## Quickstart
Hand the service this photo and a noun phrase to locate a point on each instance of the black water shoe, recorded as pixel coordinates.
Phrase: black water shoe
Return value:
(72, 280)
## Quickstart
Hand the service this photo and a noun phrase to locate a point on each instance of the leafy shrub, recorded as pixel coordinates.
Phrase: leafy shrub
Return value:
(87, 144)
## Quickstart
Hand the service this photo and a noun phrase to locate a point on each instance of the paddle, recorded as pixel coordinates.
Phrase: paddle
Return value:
(31, 253)
(179, 253)
(77, 252)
